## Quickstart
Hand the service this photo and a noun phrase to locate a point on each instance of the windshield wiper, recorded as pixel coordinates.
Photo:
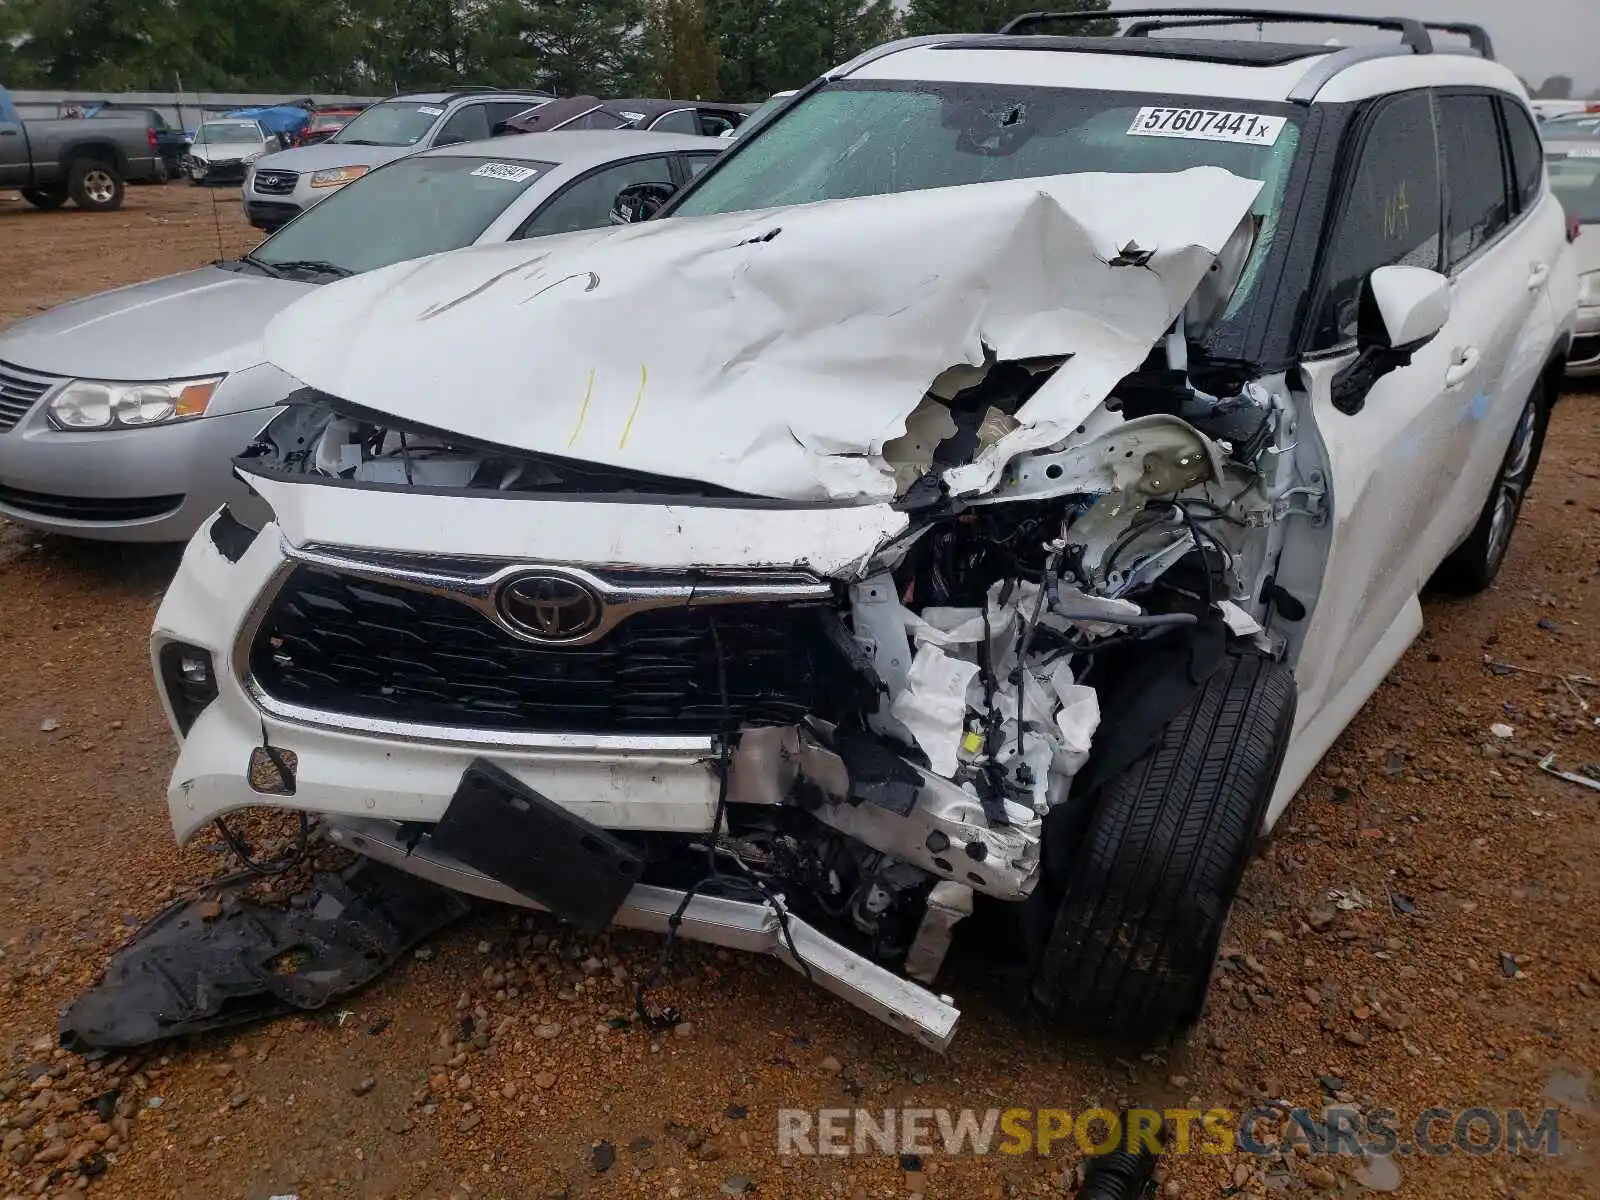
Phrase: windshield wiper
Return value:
(360, 142)
(320, 266)
(251, 260)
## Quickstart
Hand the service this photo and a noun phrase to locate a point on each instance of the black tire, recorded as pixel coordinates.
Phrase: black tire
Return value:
(1131, 949)
(43, 200)
(95, 186)
(1474, 564)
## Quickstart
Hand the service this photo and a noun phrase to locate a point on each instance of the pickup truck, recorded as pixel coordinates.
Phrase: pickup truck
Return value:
(86, 161)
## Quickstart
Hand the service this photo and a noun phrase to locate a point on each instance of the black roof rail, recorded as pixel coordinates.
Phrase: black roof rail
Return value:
(1413, 33)
(1477, 35)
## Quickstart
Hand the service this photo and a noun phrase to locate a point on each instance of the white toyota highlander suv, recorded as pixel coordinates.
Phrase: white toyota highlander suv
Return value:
(950, 533)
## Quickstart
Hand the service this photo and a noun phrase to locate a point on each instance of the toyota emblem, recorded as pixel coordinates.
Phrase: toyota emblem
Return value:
(549, 608)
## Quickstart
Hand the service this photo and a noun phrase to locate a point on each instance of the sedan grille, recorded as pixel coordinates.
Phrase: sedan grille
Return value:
(88, 508)
(345, 645)
(276, 183)
(20, 390)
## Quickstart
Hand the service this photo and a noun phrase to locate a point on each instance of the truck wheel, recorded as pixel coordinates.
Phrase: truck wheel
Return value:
(1473, 565)
(43, 200)
(1131, 949)
(95, 186)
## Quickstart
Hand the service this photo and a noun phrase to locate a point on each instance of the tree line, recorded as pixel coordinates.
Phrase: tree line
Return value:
(705, 49)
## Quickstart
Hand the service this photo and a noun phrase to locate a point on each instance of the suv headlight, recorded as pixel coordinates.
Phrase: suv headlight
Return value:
(87, 404)
(337, 176)
(1589, 288)
(253, 155)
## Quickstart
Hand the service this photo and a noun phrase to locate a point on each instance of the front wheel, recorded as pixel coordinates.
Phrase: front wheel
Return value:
(1474, 564)
(1131, 948)
(45, 201)
(95, 186)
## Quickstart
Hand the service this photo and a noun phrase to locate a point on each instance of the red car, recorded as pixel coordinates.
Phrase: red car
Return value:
(324, 123)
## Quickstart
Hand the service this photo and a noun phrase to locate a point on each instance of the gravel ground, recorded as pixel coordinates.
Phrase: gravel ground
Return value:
(1460, 969)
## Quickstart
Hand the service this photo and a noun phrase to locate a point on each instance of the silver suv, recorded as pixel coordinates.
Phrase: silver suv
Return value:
(281, 186)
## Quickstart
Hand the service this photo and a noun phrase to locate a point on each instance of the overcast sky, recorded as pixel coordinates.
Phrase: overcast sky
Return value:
(1535, 38)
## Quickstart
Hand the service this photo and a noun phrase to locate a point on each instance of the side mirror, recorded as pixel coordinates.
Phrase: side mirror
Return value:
(1401, 310)
(640, 202)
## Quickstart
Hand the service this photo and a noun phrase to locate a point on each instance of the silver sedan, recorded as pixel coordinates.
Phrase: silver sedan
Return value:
(120, 414)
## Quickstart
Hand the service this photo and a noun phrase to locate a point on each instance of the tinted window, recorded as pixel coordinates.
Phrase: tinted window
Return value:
(468, 124)
(587, 203)
(1576, 183)
(685, 120)
(1573, 129)
(222, 132)
(698, 162)
(1527, 154)
(1390, 213)
(410, 208)
(504, 110)
(1475, 174)
(392, 123)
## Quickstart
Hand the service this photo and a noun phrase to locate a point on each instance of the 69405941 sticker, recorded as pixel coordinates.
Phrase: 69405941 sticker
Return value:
(1208, 125)
(509, 172)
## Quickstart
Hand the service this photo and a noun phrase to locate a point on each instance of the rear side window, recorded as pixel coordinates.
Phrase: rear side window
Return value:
(1527, 154)
(1390, 215)
(469, 124)
(1479, 207)
(684, 120)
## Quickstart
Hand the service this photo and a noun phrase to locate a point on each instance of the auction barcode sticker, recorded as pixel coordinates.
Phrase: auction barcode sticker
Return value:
(1208, 125)
(506, 171)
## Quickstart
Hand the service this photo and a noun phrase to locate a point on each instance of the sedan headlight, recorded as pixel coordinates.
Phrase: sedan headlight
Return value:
(93, 404)
(337, 176)
(1589, 288)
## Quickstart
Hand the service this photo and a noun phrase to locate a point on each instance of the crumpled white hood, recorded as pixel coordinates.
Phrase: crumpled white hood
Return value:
(773, 352)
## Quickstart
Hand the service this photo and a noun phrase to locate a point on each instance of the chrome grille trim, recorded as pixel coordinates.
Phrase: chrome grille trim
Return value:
(20, 390)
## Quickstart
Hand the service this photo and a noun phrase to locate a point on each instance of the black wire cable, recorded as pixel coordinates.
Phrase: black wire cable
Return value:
(288, 862)
(668, 1017)
(297, 852)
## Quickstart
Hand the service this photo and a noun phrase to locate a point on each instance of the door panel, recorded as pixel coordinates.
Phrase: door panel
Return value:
(13, 153)
(1385, 462)
(1500, 260)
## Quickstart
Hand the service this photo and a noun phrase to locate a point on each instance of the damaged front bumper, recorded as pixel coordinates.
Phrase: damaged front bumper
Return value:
(382, 784)
(738, 925)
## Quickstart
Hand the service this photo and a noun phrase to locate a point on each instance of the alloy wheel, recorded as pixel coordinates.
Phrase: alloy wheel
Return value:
(99, 186)
(1513, 482)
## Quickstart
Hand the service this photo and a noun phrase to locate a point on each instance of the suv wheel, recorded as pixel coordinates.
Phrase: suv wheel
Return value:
(95, 186)
(1475, 563)
(44, 200)
(1135, 937)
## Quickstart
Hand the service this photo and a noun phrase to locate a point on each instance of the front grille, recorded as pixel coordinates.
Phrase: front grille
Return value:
(276, 183)
(1585, 350)
(345, 645)
(270, 212)
(88, 508)
(20, 390)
